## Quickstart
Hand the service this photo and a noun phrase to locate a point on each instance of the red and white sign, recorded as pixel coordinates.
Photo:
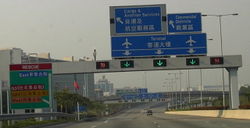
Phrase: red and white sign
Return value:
(19, 67)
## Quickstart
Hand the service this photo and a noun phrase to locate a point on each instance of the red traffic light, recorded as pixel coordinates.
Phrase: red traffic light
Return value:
(216, 60)
(102, 65)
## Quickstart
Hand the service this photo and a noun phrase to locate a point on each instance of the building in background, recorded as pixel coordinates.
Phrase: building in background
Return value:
(17, 56)
(85, 82)
(105, 85)
(98, 94)
(130, 91)
(215, 88)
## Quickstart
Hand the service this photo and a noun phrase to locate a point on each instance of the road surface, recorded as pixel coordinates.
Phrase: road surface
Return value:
(136, 118)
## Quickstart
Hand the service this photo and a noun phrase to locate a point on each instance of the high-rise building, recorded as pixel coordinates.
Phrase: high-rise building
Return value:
(105, 85)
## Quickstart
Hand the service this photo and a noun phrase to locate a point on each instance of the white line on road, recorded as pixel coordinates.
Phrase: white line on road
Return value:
(155, 122)
(106, 121)
(93, 126)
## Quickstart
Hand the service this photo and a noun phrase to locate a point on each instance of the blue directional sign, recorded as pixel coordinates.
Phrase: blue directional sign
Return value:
(142, 90)
(159, 45)
(185, 22)
(143, 96)
(138, 19)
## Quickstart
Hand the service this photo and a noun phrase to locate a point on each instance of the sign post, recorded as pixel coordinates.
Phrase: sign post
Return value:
(30, 86)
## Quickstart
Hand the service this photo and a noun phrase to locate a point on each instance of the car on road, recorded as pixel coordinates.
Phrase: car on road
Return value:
(149, 112)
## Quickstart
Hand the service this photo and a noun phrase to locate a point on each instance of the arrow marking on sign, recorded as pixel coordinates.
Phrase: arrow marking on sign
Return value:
(46, 101)
(127, 53)
(126, 64)
(118, 19)
(171, 23)
(126, 43)
(159, 51)
(190, 41)
(192, 62)
(191, 50)
(159, 63)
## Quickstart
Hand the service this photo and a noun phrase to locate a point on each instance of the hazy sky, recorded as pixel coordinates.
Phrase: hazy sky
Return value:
(76, 27)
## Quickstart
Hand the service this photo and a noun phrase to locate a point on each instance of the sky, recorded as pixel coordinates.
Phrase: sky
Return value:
(76, 27)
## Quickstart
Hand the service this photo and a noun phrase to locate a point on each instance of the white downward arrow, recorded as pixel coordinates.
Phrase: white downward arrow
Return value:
(127, 53)
(159, 52)
(191, 50)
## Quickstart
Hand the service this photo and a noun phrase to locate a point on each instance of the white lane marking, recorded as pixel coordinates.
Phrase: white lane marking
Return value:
(158, 126)
(155, 122)
(106, 121)
(93, 126)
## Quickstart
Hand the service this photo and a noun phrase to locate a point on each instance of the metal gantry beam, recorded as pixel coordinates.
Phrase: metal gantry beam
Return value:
(231, 63)
(178, 63)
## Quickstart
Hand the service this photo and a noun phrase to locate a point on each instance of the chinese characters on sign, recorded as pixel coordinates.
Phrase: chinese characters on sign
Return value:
(159, 45)
(29, 85)
(33, 74)
(147, 31)
(138, 19)
(184, 22)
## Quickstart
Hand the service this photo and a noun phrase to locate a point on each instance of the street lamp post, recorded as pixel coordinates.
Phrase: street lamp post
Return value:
(189, 86)
(223, 77)
(201, 87)
(180, 91)
(171, 82)
(176, 95)
(168, 90)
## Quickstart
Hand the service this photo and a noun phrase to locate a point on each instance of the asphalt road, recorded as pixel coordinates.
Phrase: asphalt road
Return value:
(136, 118)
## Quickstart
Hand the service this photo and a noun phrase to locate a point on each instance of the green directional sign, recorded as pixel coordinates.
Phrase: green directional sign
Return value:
(160, 63)
(192, 61)
(127, 64)
(30, 85)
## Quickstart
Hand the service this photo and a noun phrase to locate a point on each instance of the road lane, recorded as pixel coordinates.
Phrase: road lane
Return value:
(136, 118)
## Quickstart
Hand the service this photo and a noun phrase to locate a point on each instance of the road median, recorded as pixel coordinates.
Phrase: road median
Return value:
(234, 114)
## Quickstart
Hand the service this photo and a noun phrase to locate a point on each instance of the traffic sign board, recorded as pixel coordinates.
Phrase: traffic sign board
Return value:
(159, 45)
(142, 90)
(184, 22)
(29, 85)
(138, 19)
(143, 96)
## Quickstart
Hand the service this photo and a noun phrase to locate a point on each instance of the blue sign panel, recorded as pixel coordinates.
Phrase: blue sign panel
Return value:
(186, 22)
(159, 45)
(138, 20)
(143, 96)
(142, 90)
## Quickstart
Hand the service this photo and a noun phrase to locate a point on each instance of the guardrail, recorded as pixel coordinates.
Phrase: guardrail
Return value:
(32, 115)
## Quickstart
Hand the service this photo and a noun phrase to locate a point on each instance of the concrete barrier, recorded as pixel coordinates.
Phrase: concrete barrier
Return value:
(234, 114)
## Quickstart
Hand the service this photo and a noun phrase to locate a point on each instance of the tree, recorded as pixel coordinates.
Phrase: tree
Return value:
(68, 101)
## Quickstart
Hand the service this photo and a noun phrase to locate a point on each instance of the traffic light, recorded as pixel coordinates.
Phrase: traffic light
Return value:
(192, 61)
(102, 65)
(160, 63)
(127, 64)
(216, 60)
